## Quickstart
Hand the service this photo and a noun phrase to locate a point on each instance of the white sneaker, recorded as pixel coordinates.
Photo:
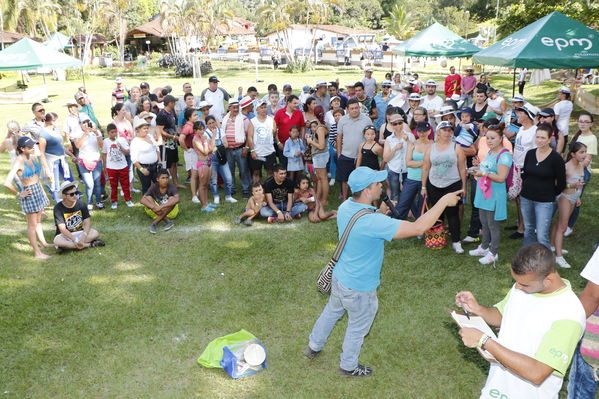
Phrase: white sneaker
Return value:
(489, 258)
(195, 200)
(332, 182)
(90, 207)
(564, 251)
(568, 232)
(114, 205)
(122, 193)
(479, 251)
(457, 247)
(134, 190)
(230, 199)
(562, 262)
(469, 240)
(216, 199)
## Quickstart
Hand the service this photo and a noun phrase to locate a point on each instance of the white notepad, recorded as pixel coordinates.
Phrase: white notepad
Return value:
(478, 323)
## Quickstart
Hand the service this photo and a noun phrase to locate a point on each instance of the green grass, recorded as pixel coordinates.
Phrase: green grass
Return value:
(131, 319)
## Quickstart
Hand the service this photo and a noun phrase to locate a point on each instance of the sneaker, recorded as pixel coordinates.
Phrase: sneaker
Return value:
(360, 371)
(90, 207)
(208, 209)
(211, 205)
(129, 204)
(114, 205)
(562, 262)
(153, 228)
(168, 225)
(97, 243)
(568, 232)
(248, 222)
(310, 354)
(230, 199)
(237, 221)
(470, 240)
(216, 199)
(564, 251)
(457, 247)
(195, 200)
(514, 227)
(332, 182)
(489, 258)
(516, 236)
(272, 219)
(99, 205)
(479, 251)
(134, 190)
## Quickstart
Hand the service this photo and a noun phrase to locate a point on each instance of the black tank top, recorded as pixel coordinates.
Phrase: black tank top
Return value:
(369, 158)
(477, 115)
(387, 132)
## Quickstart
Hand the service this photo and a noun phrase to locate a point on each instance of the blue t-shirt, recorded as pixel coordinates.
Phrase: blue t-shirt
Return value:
(54, 144)
(359, 266)
(381, 106)
(497, 202)
(181, 117)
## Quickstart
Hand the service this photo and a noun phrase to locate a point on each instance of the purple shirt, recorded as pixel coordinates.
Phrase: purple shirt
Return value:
(468, 82)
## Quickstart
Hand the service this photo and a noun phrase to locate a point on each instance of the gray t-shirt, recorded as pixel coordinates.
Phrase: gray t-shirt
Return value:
(352, 130)
(325, 102)
(131, 108)
(369, 86)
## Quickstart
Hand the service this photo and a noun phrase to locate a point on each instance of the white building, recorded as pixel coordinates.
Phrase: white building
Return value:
(326, 36)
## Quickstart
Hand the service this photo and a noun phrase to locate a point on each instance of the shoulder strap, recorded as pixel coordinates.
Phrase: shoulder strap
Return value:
(501, 152)
(347, 230)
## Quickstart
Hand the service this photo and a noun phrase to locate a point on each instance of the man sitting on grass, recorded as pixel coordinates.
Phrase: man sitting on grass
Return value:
(540, 320)
(161, 202)
(279, 197)
(73, 223)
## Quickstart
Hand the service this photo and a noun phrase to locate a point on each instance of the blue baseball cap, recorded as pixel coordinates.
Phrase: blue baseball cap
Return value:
(363, 177)
(25, 141)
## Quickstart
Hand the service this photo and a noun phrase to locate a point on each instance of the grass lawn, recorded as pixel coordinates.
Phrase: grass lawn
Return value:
(131, 319)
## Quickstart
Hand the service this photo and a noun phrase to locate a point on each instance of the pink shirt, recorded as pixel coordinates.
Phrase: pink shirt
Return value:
(468, 82)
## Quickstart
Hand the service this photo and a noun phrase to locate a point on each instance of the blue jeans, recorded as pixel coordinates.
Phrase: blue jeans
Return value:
(332, 160)
(296, 209)
(581, 381)
(58, 176)
(234, 157)
(574, 215)
(395, 180)
(537, 221)
(225, 173)
(361, 309)
(410, 199)
(91, 179)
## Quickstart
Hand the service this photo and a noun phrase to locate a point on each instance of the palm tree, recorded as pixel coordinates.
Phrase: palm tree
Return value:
(277, 14)
(399, 23)
(113, 14)
(33, 17)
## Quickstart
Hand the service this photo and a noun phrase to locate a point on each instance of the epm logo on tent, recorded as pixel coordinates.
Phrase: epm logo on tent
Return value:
(561, 42)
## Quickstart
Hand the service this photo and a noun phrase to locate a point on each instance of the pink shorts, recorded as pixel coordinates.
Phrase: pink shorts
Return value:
(207, 162)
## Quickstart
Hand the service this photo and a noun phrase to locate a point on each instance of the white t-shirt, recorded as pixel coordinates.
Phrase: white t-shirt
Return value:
(563, 110)
(591, 270)
(525, 141)
(89, 150)
(397, 164)
(495, 103)
(546, 328)
(217, 100)
(115, 159)
(144, 152)
(432, 105)
(72, 128)
(263, 138)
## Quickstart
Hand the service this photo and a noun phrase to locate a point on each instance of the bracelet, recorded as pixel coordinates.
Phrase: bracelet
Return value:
(423, 188)
(568, 185)
(279, 211)
(482, 341)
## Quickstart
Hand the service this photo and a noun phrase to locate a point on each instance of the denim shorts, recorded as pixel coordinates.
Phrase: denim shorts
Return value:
(320, 160)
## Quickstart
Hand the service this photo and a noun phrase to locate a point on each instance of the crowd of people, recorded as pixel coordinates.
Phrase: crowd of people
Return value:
(446, 149)
(284, 151)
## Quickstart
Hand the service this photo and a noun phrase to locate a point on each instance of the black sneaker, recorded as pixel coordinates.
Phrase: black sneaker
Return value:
(248, 222)
(360, 371)
(516, 236)
(309, 353)
(514, 227)
(97, 243)
(237, 221)
(168, 225)
(100, 205)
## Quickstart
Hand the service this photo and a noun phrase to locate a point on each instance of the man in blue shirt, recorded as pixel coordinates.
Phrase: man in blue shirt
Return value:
(358, 271)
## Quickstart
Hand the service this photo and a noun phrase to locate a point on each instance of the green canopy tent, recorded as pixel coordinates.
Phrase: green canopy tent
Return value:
(554, 41)
(436, 41)
(58, 42)
(27, 54)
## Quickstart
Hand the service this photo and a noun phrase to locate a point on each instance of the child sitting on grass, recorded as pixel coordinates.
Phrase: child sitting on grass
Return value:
(304, 193)
(253, 206)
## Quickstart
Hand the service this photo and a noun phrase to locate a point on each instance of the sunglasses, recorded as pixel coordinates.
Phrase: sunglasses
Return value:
(40, 110)
(396, 123)
(74, 193)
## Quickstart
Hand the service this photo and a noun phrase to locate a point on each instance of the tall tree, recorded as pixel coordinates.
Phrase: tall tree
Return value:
(399, 23)
(37, 18)
(113, 13)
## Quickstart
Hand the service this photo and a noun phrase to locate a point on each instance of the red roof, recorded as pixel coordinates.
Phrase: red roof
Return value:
(10, 37)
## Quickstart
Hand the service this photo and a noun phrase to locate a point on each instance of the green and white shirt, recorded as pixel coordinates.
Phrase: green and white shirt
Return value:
(547, 328)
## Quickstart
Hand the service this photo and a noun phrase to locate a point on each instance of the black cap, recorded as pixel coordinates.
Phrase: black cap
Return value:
(169, 99)
(547, 112)
(25, 141)
(423, 126)
(287, 87)
(144, 85)
(168, 88)
(213, 79)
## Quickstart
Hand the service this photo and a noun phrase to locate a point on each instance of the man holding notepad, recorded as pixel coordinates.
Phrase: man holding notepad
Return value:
(540, 320)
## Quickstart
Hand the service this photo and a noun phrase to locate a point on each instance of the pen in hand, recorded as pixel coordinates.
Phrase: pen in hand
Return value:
(465, 311)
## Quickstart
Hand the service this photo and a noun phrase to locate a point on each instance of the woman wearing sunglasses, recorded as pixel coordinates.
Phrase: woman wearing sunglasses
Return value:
(72, 220)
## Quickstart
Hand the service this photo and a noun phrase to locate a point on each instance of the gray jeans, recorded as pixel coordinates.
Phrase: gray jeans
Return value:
(491, 232)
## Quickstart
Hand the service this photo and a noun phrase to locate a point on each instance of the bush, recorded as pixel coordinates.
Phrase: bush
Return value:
(301, 64)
